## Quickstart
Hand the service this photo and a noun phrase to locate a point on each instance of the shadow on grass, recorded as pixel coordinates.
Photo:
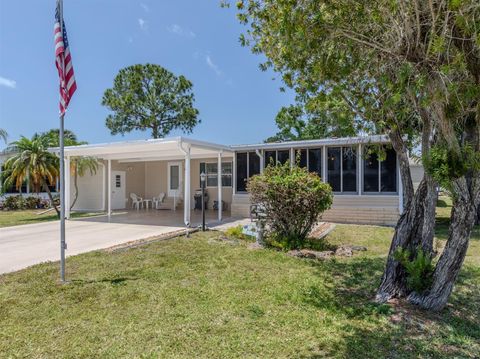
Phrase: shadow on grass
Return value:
(112, 281)
(370, 329)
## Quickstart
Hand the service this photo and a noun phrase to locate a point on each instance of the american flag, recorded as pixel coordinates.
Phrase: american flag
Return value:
(63, 61)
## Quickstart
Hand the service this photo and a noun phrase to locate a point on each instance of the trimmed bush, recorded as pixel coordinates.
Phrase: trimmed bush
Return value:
(18, 202)
(293, 200)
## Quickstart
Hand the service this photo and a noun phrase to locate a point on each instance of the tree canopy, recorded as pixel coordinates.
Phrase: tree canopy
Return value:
(150, 98)
(408, 68)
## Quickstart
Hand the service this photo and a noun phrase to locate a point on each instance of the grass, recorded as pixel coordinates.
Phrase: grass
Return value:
(202, 297)
(15, 218)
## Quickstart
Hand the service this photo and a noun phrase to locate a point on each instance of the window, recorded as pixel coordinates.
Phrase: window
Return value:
(315, 160)
(211, 171)
(247, 165)
(253, 164)
(349, 169)
(242, 172)
(276, 157)
(270, 158)
(334, 169)
(303, 158)
(380, 176)
(388, 172)
(342, 169)
(118, 182)
(227, 174)
(283, 156)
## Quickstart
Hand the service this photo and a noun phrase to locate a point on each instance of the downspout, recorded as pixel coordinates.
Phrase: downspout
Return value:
(259, 154)
(186, 193)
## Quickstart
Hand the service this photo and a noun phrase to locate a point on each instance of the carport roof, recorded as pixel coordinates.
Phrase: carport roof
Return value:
(151, 149)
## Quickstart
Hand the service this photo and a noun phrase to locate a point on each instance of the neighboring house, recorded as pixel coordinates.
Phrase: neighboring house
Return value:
(365, 189)
(26, 189)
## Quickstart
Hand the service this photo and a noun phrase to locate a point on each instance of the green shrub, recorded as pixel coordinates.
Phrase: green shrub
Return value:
(18, 202)
(14, 203)
(419, 269)
(32, 202)
(293, 200)
(236, 232)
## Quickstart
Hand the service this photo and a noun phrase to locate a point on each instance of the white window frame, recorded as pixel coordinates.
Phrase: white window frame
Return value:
(213, 175)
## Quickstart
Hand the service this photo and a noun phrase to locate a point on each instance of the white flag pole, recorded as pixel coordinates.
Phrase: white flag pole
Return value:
(62, 177)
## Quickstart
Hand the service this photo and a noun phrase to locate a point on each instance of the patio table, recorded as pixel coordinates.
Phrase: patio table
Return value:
(148, 202)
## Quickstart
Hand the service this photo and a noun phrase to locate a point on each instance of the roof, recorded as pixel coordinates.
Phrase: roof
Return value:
(172, 148)
(151, 149)
(340, 141)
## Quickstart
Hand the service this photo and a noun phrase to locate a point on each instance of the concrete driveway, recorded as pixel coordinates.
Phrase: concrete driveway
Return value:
(25, 245)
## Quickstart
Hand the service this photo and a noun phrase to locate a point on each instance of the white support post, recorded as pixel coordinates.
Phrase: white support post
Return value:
(67, 187)
(219, 186)
(324, 164)
(292, 157)
(103, 186)
(109, 188)
(186, 205)
(360, 168)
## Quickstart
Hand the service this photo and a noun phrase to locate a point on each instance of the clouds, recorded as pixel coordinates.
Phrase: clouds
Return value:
(145, 7)
(7, 82)
(143, 24)
(178, 30)
(214, 67)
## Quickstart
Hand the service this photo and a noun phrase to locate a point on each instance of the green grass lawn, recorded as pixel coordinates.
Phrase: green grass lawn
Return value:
(201, 297)
(14, 218)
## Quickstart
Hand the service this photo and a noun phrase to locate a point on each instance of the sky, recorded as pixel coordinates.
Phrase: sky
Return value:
(198, 39)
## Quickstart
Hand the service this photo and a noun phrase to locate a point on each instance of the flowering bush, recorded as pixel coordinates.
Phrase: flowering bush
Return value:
(293, 200)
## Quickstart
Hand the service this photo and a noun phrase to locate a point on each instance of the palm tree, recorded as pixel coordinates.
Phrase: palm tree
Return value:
(32, 160)
(79, 167)
(3, 135)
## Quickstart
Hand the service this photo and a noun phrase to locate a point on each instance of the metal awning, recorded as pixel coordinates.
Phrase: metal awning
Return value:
(149, 150)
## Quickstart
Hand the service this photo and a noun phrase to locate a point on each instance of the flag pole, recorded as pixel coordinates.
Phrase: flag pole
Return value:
(62, 201)
(62, 178)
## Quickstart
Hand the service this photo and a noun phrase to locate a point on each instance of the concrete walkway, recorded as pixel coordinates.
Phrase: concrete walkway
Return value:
(25, 245)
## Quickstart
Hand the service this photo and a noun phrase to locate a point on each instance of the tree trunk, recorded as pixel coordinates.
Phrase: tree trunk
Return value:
(75, 183)
(415, 227)
(451, 260)
(45, 187)
(408, 235)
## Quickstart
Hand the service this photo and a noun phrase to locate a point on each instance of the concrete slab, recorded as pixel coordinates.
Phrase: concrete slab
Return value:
(25, 245)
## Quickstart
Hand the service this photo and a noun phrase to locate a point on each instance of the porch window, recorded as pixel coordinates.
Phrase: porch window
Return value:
(342, 169)
(276, 157)
(315, 160)
(334, 169)
(211, 170)
(247, 165)
(380, 176)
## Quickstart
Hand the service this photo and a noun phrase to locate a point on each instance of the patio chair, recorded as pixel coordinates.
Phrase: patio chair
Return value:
(157, 201)
(137, 202)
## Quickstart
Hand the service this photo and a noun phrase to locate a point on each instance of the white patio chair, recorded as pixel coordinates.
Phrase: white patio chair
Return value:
(137, 202)
(157, 201)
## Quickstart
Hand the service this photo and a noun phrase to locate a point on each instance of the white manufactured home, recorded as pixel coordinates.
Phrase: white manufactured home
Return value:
(164, 174)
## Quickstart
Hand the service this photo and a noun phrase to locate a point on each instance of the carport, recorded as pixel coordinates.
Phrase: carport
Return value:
(151, 151)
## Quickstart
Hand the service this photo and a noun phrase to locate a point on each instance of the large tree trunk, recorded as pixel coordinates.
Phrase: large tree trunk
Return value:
(415, 227)
(450, 262)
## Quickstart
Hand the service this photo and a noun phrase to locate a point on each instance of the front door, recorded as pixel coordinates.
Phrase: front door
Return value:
(118, 190)
(174, 179)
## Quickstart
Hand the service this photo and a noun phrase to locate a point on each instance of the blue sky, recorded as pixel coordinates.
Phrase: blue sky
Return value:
(198, 39)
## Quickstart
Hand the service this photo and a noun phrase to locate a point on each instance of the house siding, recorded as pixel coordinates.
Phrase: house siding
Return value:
(377, 210)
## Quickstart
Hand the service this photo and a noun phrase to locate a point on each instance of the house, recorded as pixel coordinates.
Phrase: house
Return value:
(366, 190)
